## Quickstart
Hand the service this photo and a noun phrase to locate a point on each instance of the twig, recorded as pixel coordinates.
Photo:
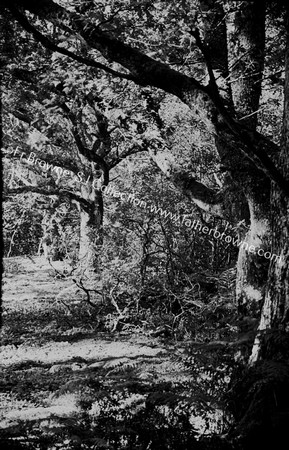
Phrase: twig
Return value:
(87, 292)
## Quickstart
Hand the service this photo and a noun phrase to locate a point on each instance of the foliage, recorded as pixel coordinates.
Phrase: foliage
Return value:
(114, 406)
(157, 277)
(22, 226)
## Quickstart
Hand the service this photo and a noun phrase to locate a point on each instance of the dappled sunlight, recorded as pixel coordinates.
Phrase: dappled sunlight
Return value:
(64, 406)
(88, 349)
(63, 374)
(145, 225)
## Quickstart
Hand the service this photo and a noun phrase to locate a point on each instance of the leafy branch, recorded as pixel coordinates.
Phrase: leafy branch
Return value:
(47, 43)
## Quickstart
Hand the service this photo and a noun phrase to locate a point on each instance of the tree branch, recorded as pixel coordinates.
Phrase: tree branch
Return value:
(144, 70)
(47, 43)
(90, 155)
(132, 150)
(100, 161)
(75, 130)
(149, 72)
(51, 192)
(212, 83)
(21, 116)
(49, 159)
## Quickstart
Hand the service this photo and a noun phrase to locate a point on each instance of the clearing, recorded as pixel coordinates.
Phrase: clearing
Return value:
(66, 383)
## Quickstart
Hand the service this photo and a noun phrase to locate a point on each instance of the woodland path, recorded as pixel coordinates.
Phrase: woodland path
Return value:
(59, 374)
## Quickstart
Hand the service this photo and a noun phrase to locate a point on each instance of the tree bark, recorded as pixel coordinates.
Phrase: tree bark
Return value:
(91, 233)
(51, 241)
(246, 49)
(252, 268)
(206, 198)
(275, 312)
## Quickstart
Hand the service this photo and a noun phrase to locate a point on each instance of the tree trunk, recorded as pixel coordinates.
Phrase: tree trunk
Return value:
(252, 266)
(51, 241)
(246, 44)
(91, 233)
(275, 312)
(247, 189)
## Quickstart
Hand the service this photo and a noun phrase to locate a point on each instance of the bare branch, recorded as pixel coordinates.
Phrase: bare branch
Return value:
(81, 286)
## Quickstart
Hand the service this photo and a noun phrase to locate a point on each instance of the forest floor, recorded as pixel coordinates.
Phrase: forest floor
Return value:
(65, 384)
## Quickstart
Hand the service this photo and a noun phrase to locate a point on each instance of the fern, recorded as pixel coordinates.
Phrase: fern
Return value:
(121, 366)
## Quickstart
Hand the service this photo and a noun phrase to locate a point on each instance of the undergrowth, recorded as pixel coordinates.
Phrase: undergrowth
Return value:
(201, 394)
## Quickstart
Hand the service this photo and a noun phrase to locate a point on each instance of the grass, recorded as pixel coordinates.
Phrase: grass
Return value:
(66, 382)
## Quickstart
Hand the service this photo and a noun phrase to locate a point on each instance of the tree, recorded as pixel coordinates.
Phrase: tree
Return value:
(77, 180)
(50, 114)
(254, 164)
